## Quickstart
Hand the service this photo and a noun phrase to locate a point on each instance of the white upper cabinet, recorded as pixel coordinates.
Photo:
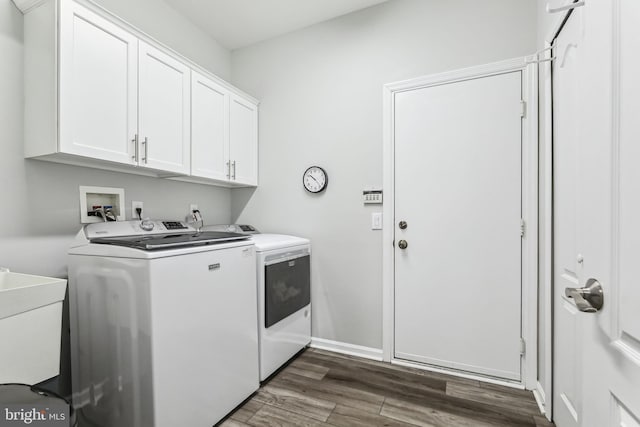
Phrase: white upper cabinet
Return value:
(100, 93)
(209, 128)
(243, 141)
(164, 111)
(224, 140)
(98, 87)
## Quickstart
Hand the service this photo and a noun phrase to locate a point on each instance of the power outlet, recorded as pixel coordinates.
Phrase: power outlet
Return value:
(134, 206)
(194, 215)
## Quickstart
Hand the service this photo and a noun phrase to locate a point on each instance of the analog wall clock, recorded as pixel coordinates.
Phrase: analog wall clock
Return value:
(315, 179)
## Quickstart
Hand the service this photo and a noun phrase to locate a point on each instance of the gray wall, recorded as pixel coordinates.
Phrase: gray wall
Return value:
(321, 103)
(159, 20)
(39, 202)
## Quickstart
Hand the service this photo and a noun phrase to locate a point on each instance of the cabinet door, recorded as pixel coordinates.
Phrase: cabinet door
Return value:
(243, 137)
(164, 111)
(209, 128)
(98, 86)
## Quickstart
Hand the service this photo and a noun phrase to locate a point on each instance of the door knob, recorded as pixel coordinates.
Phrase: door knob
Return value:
(588, 299)
(402, 225)
(402, 244)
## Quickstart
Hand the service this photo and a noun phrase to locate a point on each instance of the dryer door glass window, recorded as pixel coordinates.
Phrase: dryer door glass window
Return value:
(287, 288)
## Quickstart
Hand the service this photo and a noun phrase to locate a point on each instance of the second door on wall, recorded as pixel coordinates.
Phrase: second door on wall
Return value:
(458, 252)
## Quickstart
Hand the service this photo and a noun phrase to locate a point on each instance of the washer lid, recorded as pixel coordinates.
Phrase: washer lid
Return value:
(267, 242)
(170, 240)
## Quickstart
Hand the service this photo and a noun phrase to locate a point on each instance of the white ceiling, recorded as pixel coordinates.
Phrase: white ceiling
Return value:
(239, 23)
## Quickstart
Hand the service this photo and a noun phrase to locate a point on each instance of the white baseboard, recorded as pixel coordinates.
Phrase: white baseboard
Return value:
(346, 348)
(538, 394)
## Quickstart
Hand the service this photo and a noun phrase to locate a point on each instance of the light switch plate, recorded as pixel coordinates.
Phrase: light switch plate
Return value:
(376, 221)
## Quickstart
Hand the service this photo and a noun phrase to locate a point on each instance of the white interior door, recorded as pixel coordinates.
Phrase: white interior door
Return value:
(605, 157)
(567, 268)
(458, 188)
(164, 111)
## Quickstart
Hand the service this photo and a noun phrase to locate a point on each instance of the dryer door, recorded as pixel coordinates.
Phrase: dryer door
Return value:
(287, 287)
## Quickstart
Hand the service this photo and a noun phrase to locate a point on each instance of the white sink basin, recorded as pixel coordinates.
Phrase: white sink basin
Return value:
(30, 327)
(23, 292)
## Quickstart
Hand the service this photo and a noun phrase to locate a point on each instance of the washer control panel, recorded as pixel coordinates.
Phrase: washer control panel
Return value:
(246, 228)
(136, 227)
(234, 228)
(174, 225)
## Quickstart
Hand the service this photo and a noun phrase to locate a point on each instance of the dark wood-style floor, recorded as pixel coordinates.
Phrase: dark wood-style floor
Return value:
(320, 388)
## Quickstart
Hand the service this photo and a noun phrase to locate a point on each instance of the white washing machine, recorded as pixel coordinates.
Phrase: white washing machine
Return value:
(284, 295)
(163, 324)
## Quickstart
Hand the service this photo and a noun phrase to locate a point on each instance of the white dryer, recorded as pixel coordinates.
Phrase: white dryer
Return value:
(163, 324)
(284, 295)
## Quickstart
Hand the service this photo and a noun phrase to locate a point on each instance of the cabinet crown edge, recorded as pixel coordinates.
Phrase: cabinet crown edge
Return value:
(26, 5)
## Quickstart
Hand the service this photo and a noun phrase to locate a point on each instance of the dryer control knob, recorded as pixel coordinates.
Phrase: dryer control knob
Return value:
(147, 224)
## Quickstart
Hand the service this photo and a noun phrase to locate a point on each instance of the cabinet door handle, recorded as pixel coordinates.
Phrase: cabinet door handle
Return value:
(228, 170)
(145, 142)
(234, 170)
(136, 150)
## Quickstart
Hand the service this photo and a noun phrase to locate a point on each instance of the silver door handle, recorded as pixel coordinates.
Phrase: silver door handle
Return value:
(588, 299)
(228, 170)
(234, 170)
(402, 244)
(146, 149)
(136, 150)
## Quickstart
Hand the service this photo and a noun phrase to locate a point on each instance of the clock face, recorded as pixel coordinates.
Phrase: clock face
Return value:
(314, 179)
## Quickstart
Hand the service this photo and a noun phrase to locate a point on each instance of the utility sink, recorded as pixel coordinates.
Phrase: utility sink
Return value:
(23, 292)
(30, 327)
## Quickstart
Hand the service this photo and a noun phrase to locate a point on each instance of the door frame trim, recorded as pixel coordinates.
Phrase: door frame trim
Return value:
(544, 390)
(529, 201)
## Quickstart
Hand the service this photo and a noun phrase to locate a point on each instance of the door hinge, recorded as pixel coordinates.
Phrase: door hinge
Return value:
(523, 347)
(523, 108)
(523, 227)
